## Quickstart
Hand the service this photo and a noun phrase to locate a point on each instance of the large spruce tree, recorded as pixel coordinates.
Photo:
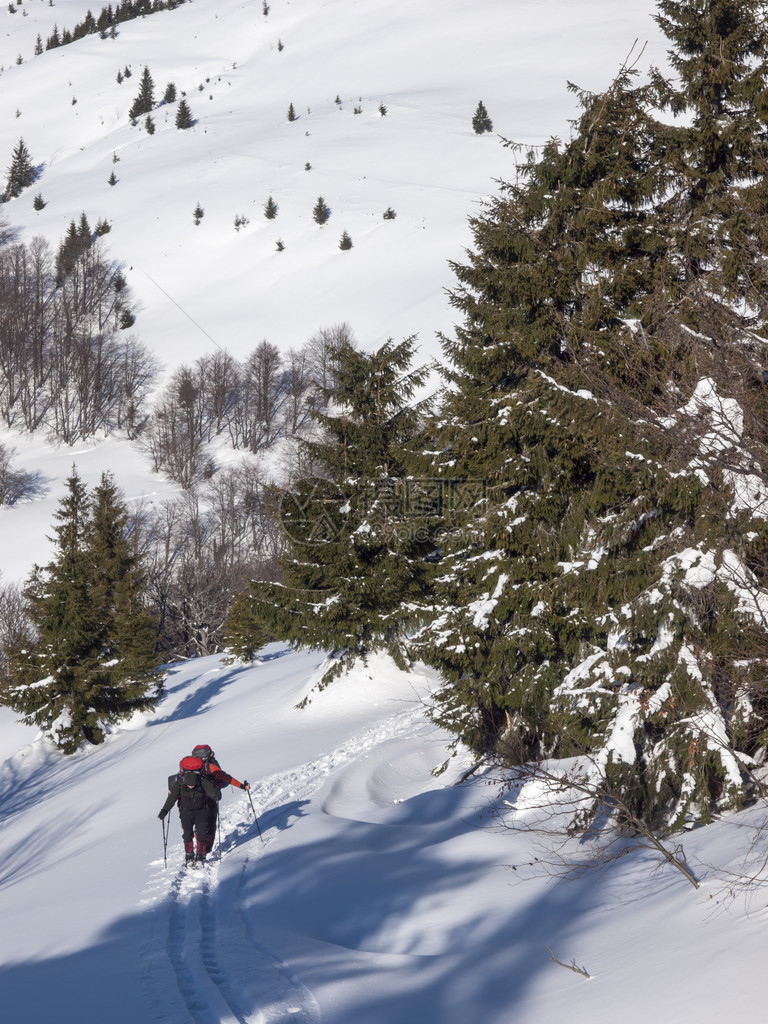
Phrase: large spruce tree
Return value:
(356, 524)
(599, 589)
(94, 661)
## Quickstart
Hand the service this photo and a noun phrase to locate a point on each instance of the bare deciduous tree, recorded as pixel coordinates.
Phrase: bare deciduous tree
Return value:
(16, 628)
(64, 363)
(202, 547)
(15, 484)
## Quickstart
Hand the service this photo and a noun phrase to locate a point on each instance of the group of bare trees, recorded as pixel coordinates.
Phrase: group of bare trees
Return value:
(200, 547)
(66, 367)
(252, 403)
(66, 364)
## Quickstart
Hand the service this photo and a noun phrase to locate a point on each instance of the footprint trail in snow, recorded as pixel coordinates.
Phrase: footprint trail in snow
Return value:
(203, 962)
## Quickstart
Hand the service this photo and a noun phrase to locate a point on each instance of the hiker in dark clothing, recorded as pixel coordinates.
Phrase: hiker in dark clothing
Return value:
(193, 793)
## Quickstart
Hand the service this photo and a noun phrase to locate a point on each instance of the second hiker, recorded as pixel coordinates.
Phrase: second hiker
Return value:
(213, 770)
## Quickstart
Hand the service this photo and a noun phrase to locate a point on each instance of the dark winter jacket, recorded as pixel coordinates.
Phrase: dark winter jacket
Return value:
(190, 799)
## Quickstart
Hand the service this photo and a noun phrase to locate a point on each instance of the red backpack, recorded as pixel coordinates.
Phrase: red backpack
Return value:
(187, 764)
(191, 764)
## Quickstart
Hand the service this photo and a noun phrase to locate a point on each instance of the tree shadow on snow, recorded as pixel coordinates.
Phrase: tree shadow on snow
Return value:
(373, 916)
(280, 818)
(375, 909)
(201, 697)
(221, 677)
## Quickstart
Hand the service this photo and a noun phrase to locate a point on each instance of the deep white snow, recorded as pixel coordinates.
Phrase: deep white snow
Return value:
(376, 892)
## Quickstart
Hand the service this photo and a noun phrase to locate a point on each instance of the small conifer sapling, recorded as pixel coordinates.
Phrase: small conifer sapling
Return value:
(184, 118)
(145, 100)
(321, 211)
(481, 122)
(21, 172)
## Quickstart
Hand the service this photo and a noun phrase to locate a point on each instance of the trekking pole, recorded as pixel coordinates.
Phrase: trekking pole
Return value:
(218, 826)
(255, 817)
(165, 843)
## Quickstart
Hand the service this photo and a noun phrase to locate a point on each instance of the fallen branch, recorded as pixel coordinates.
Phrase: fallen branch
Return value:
(572, 966)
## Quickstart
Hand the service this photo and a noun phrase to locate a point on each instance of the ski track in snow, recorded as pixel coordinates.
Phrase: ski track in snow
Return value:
(223, 973)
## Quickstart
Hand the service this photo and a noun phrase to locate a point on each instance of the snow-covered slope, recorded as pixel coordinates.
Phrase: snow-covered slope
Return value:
(428, 63)
(200, 287)
(375, 893)
(207, 286)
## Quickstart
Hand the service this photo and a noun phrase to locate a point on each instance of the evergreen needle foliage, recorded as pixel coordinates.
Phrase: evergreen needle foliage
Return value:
(184, 117)
(95, 658)
(321, 212)
(145, 100)
(356, 531)
(481, 121)
(602, 571)
(270, 209)
(21, 172)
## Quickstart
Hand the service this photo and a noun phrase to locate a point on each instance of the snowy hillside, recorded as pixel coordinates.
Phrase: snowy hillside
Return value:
(201, 287)
(376, 892)
(428, 63)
